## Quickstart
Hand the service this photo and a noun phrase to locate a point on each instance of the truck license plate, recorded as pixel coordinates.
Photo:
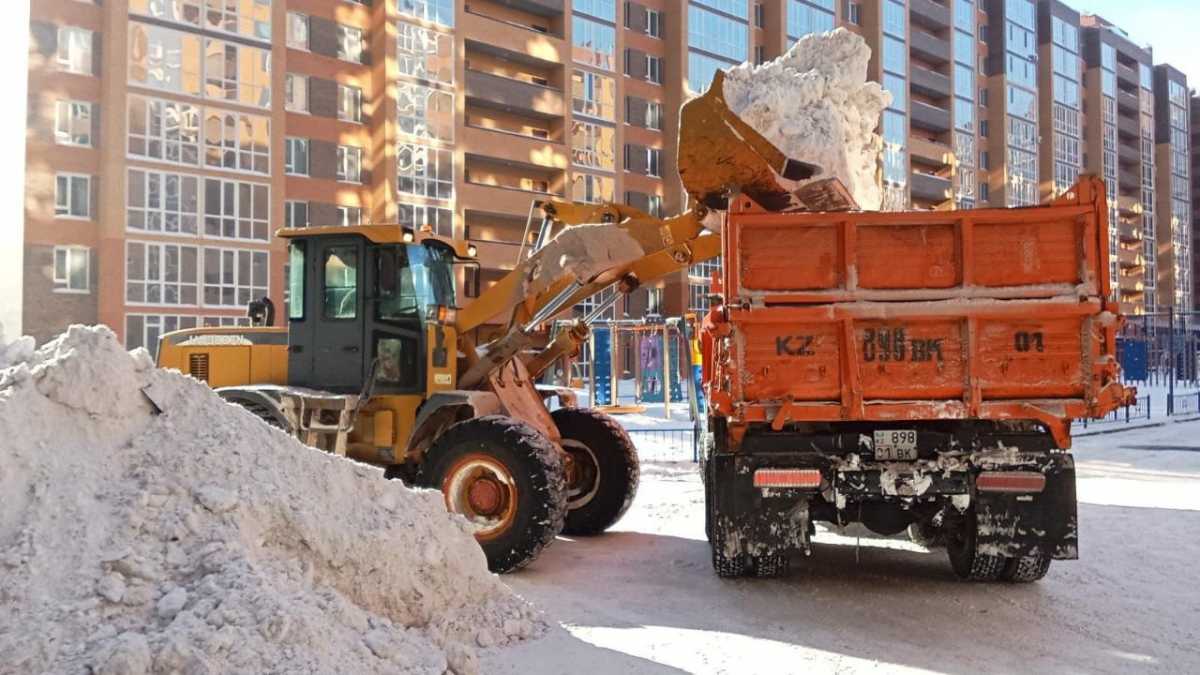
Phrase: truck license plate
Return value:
(896, 445)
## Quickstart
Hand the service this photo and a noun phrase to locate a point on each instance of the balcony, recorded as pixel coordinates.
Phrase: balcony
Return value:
(1130, 258)
(1129, 230)
(539, 7)
(929, 117)
(1128, 126)
(1128, 154)
(928, 13)
(1129, 181)
(497, 254)
(1131, 285)
(930, 188)
(498, 199)
(1128, 74)
(930, 153)
(929, 83)
(1128, 101)
(514, 38)
(510, 145)
(1130, 308)
(929, 46)
(505, 93)
(1130, 207)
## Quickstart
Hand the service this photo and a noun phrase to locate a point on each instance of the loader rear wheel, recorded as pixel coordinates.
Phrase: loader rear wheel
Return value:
(507, 479)
(603, 477)
(968, 563)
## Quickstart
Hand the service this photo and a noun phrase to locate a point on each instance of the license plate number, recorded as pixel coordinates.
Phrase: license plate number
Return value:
(896, 445)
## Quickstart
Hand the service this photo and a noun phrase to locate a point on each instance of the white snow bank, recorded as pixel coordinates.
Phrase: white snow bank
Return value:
(200, 540)
(815, 104)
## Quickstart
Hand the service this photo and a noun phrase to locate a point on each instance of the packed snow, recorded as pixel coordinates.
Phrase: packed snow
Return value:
(193, 538)
(815, 104)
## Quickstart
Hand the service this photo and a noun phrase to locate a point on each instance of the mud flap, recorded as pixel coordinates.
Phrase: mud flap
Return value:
(747, 521)
(1015, 525)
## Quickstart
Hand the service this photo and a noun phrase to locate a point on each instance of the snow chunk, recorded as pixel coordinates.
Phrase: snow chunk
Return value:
(815, 104)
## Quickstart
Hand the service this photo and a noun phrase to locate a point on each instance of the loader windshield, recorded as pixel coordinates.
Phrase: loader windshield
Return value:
(424, 279)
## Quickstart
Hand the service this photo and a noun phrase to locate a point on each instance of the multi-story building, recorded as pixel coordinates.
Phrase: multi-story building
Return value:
(169, 139)
(1119, 84)
(1194, 152)
(153, 164)
(1173, 191)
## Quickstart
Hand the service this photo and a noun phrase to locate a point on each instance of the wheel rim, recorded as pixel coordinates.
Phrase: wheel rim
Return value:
(583, 473)
(483, 490)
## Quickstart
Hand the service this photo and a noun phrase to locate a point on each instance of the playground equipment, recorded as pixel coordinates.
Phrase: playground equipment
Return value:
(656, 347)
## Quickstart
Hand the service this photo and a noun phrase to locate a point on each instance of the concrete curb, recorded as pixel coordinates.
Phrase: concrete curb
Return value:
(1134, 426)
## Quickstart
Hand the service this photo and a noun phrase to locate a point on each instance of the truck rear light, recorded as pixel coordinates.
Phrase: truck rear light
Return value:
(787, 478)
(1010, 481)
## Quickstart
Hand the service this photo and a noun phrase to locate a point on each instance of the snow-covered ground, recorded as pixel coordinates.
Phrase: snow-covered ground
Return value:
(643, 598)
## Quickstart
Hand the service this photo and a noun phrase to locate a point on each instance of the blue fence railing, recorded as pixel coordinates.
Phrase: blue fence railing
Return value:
(680, 444)
(1186, 403)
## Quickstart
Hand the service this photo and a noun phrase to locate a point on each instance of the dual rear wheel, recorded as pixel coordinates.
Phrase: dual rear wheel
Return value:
(520, 491)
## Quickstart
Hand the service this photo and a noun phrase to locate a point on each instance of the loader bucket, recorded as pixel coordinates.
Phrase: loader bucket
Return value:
(720, 155)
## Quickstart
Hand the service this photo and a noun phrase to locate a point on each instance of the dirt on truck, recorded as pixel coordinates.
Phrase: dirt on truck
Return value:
(907, 371)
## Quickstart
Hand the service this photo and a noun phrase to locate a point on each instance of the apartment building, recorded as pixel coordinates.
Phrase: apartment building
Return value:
(167, 140)
(1194, 152)
(1173, 192)
(154, 165)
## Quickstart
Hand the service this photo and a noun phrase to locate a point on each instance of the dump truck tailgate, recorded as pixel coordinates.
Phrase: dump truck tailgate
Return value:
(993, 313)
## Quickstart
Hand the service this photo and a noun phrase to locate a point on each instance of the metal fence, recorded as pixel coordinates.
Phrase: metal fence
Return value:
(1162, 350)
(680, 444)
(1140, 410)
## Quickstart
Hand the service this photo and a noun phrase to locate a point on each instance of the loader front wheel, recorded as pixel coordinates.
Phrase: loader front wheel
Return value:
(603, 477)
(507, 479)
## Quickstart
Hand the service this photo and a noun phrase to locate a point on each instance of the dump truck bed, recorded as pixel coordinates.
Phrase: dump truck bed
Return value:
(990, 313)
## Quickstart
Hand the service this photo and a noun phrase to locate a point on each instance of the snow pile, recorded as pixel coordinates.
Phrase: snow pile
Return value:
(815, 104)
(200, 540)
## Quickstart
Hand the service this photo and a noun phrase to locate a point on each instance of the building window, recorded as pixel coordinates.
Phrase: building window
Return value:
(593, 145)
(236, 209)
(349, 103)
(592, 189)
(349, 43)
(760, 55)
(471, 281)
(654, 115)
(295, 89)
(654, 69)
(72, 196)
(144, 330)
(75, 50)
(425, 112)
(73, 123)
(435, 11)
(172, 60)
(701, 69)
(166, 203)
(295, 156)
(160, 274)
(593, 95)
(760, 15)
(349, 164)
(237, 141)
(72, 269)
(718, 34)
(295, 214)
(654, 22)
(297, 30)
(417, 217)
(595, 44)
(601, 9)
(234, 277)
(164, 130)
(654, 162)
(349, 216)
(425, 53)
(425, 171)
(854, 13)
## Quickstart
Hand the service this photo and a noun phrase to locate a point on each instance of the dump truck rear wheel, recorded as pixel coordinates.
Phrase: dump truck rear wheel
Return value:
(729, 566)
(603, 478)
(968, 563)
(1025, 569)
(770, 566)
(507, 479)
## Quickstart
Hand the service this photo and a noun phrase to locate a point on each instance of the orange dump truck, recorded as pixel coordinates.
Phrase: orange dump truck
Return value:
(913, 371)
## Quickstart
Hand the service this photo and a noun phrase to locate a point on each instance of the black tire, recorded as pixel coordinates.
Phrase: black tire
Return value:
(729, 566)
(770, 566)
(520, 467)
(263, 412)
(1025, 569)
(606, 470)
(968, 563)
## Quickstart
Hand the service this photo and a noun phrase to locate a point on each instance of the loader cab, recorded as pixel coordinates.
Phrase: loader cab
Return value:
(355, 297)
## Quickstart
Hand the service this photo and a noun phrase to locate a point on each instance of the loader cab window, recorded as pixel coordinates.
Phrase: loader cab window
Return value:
(341, 283)
(398, 362)
(412, 279)
(296, 269)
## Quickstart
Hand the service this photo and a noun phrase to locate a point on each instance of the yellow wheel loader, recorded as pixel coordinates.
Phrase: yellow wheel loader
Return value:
(377, 364)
